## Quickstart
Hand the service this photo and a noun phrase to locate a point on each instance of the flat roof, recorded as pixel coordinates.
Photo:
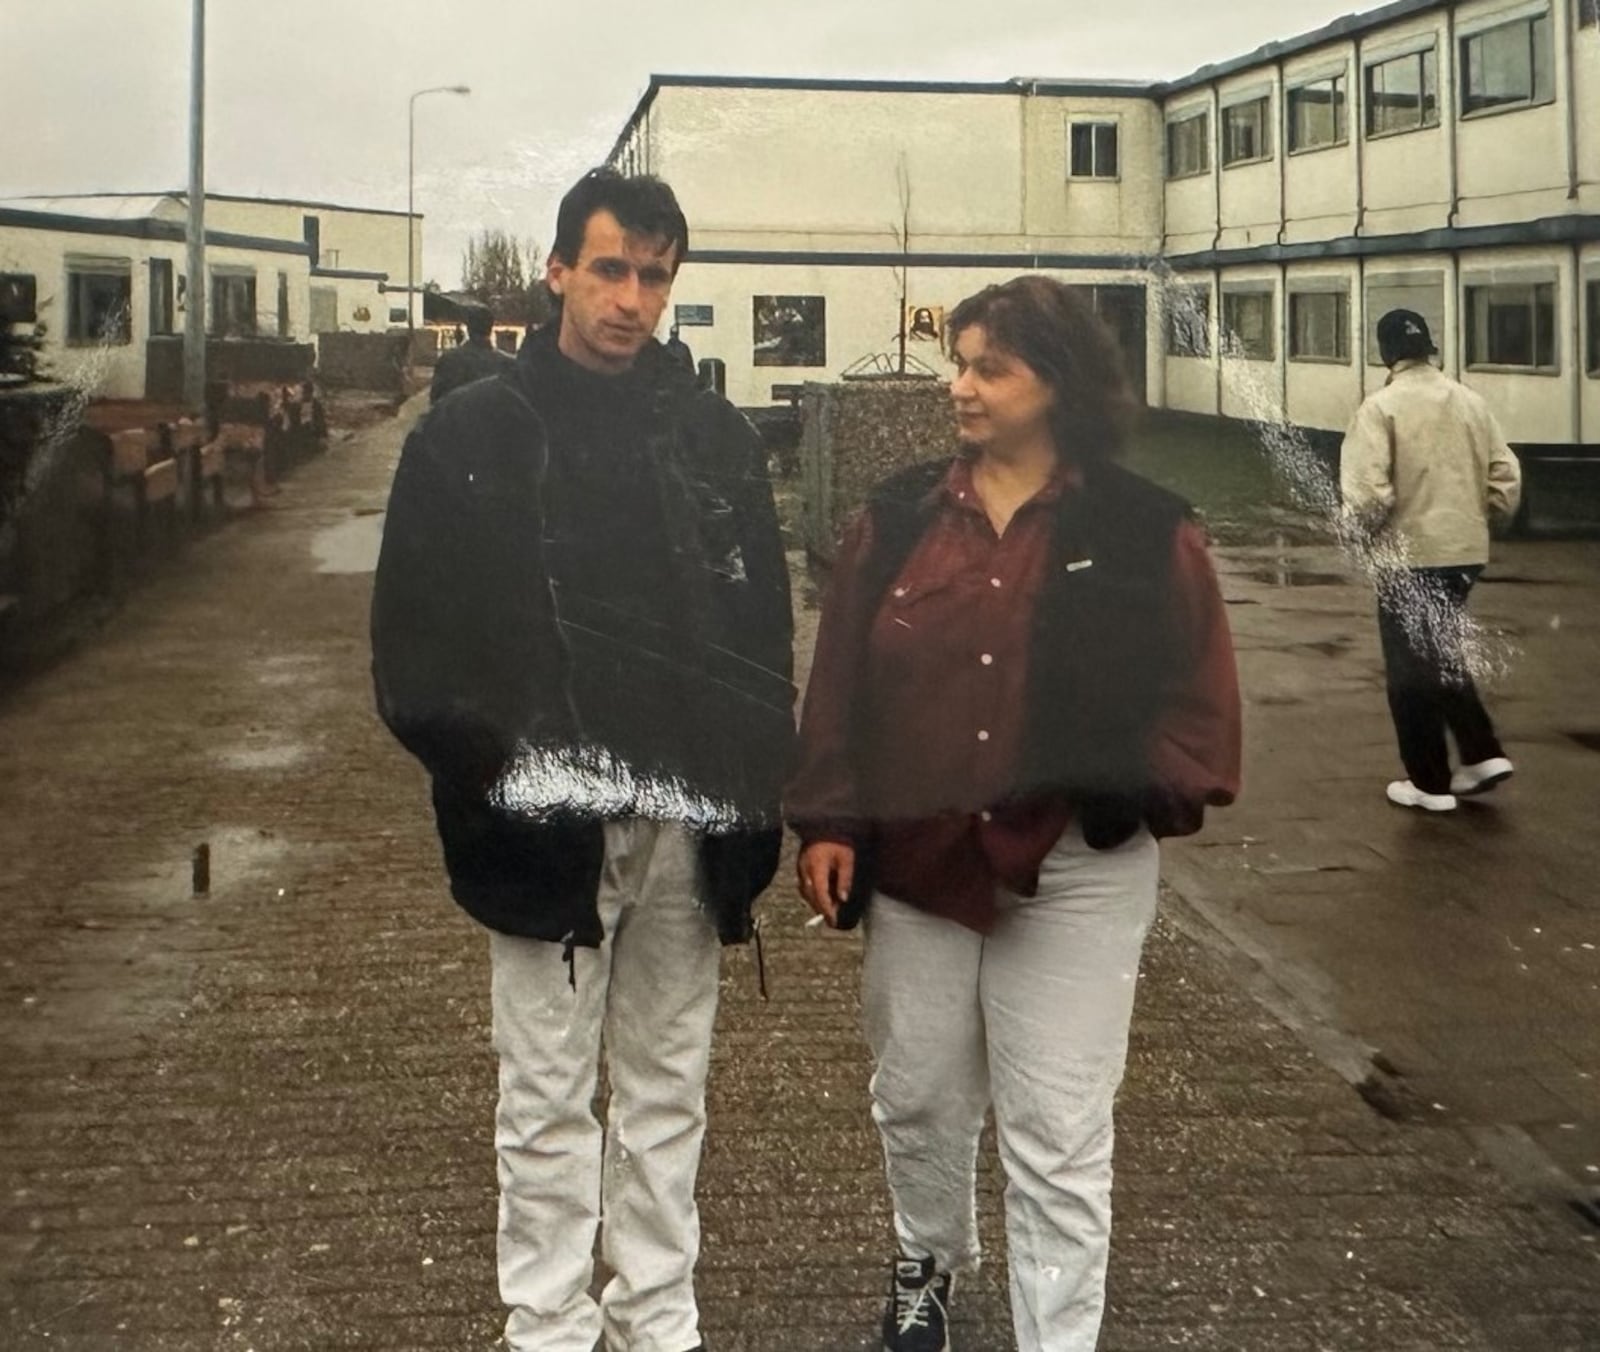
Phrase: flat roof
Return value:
(182, 195)
(1349, 26)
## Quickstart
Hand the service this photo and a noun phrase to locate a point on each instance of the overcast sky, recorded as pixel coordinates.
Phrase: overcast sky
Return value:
(307, 98)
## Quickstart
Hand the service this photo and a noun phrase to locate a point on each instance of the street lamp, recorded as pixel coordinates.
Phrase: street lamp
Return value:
(411, 179)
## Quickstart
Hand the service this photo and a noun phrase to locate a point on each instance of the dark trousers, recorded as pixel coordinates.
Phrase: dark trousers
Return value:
(1421, 612)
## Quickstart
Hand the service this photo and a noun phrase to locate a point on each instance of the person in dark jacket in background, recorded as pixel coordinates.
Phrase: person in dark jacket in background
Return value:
(468, 361)
(1023, 677)
(581, 627)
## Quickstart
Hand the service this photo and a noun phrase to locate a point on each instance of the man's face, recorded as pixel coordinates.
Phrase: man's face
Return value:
(612, 296)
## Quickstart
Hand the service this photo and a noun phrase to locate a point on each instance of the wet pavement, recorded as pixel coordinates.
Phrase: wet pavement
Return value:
(261, 1118)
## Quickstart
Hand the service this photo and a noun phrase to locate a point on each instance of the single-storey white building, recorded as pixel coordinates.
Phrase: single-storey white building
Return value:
(101, 274)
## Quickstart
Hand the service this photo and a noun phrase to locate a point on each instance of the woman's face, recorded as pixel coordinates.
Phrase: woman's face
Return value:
(1000, 403)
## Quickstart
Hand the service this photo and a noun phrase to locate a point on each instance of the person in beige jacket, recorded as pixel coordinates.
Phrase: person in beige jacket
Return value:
(1424, 470)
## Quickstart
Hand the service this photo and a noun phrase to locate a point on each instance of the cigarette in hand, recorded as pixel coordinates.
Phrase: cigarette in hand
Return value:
(815, 921)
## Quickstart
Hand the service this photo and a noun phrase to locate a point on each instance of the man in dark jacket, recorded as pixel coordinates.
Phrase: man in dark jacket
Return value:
(581, 627)
(468, 361)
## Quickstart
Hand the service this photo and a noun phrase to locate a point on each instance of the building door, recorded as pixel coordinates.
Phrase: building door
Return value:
(161, 311)
(1123, 309)
(324, 309)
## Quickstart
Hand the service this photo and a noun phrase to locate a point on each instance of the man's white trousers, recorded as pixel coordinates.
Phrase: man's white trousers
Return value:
(650, 994)
(1033, 1017)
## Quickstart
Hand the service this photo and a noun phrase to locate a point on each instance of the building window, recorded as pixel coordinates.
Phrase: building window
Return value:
(1512, 325)
(1592, 323)
(397, 314)
(1589, 13)
(790, 331)
(233, 303)
(1188, 321)
(1247, 132)
(1093, 149)
(1247, 329)
(1510, 66)
(1317, 115)
(19, 298)
(1189, 145)
(1319, 326)
(100, 301)
(1422, 292)
(1403, 94)
(161, 296)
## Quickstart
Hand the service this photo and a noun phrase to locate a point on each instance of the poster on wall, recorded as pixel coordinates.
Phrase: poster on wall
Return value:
(925, 323)
(790, 331)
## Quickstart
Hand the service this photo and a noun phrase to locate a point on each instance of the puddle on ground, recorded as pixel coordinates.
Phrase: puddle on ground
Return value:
(351, 546)
(1294, 577)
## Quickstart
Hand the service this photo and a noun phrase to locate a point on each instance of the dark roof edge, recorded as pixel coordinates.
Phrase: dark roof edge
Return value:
(143, 228)
(1349, 26)
(1545, 230)
(351, 274)
(183, 193)
(868, 258)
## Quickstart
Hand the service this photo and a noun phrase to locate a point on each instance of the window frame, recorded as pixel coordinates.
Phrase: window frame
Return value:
(1344, 346)
(1266, 153)
(81, 271)
(224, 280)
(1591, 316)
(1467, 112)
(1227, 329)
(1171, 125)
(1470, 327)
(1095, 125)
(1341, 114)
(1172, 312)
(1426, 68)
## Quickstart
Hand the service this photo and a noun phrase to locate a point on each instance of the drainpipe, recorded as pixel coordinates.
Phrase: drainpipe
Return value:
(1029, 90)
(1283, 153)
(1449, 112)
(1355, 127)
(1576, 330)
(1214, 150)
(1216, 345)
(1283, 342)
(1569, 74)
(1458, 345)
(1358, 324)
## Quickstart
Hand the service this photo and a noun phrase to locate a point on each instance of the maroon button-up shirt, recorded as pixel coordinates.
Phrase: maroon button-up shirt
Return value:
(945, 701)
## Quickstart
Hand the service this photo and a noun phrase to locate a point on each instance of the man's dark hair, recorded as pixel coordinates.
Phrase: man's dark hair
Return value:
(480, 323)
(641, 202)
(1053, 330)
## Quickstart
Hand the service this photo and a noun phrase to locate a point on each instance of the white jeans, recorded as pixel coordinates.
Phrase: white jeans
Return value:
(650, 991)
(1034, 1017)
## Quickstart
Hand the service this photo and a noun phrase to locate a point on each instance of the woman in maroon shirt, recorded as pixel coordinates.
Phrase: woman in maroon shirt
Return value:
(1023, 676)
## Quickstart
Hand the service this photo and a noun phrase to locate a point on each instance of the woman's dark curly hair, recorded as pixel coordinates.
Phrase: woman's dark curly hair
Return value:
(1051, 327)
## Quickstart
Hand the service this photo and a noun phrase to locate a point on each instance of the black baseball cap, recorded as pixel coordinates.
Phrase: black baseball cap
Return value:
(1403, 334)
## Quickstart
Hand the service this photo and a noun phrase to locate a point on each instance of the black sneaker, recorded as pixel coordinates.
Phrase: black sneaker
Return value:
(913, 1320)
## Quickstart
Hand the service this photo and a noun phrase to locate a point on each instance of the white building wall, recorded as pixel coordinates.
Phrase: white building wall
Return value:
(117, 370)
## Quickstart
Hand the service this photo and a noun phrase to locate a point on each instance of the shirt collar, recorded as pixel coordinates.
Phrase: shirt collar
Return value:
(958, 491)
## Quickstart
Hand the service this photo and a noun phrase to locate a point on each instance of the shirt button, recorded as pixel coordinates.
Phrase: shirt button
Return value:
(987, 659)
(994, 582)
(983, 735)
(899, 591)
(986, 816)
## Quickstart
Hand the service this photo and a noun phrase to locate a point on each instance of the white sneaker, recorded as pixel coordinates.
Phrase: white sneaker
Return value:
(1482, 777)
(1407, 794)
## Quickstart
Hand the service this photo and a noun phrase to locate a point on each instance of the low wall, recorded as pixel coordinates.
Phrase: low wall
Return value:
(236, 360)
(855, 434)
(362, 361)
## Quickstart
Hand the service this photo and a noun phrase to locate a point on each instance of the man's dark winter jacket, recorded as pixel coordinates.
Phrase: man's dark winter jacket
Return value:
(582, 610)
(464, 363)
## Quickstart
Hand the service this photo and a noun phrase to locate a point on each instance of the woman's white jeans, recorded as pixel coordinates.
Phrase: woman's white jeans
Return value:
(650, 992)
(1032, 1017)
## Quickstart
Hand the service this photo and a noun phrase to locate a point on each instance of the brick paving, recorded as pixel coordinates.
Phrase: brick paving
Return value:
(261, 1118)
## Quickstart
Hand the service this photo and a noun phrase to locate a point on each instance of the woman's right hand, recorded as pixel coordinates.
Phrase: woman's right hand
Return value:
(826, 869)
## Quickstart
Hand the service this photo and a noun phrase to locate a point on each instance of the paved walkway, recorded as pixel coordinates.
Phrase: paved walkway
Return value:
(261, 1119)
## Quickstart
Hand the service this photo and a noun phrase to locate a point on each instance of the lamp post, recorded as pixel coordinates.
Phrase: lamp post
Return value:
(411, 180)
(194, 323)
